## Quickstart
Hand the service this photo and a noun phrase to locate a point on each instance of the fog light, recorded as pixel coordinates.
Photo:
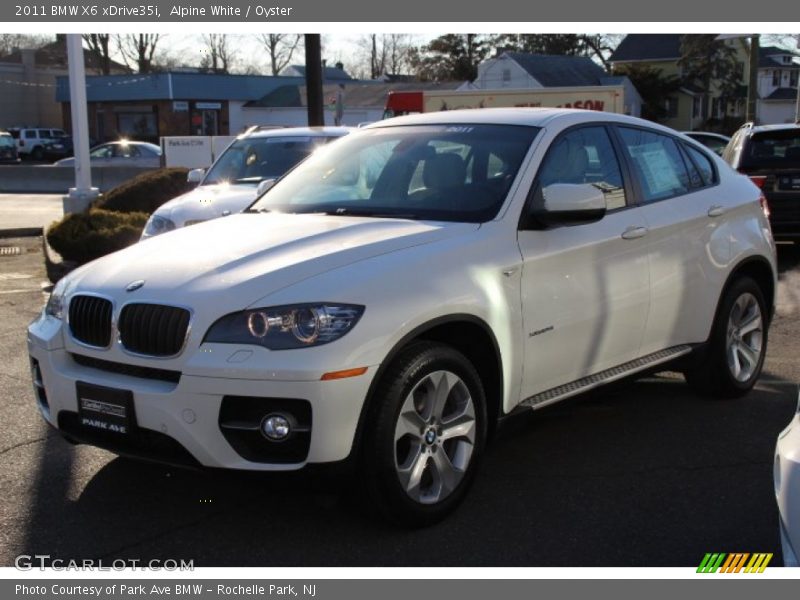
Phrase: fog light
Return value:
(276, 427)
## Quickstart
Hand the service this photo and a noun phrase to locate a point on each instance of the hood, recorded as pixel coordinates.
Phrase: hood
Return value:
(208, 202)
(244, 257)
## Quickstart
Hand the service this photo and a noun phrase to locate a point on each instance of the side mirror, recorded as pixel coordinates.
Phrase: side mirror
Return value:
(264, 185)
(195, 175)
(568, 204)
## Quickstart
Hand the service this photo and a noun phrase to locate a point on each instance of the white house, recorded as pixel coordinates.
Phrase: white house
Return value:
(518, 70)
(778, 71)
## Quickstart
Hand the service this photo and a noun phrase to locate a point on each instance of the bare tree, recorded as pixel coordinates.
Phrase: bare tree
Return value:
(11, 41)
(217, 53)
(99, 44)
(280, 47)
(382, 53)
(138, 49)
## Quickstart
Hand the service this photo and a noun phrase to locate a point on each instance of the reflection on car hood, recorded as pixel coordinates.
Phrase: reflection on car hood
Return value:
(234, 261)
(208, 202)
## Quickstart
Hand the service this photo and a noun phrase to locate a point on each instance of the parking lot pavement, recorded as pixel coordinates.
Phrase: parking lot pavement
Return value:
(644, 473)
(29, 211)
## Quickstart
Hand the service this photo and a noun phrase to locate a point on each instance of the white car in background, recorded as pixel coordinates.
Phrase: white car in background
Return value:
(787, 489)
(122, 153)
(393, 298)
(246, 169)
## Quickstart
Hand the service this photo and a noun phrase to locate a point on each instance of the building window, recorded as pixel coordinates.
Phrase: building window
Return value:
(776, 78)
(137, 125)
(506, 76)
(697, 107)
(793, 78)
(671, 107)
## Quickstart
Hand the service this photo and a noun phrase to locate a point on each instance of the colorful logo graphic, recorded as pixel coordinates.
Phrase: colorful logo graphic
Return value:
(734, 563)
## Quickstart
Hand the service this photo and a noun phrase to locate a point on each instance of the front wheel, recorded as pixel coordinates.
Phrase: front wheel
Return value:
(732, 361)
(426, 432)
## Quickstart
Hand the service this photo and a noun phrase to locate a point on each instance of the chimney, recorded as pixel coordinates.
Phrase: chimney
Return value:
(340, 66)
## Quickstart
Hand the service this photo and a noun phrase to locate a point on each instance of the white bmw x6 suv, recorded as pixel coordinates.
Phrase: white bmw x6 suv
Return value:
(401, 291)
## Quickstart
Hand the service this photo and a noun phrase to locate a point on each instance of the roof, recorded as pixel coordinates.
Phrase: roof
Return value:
(175, 86)
(559, 71)
(783, 94)
(54, 54)
(356, 95)
(648, 46)
(536, 117)
(765, 60)
(328, 73)
(301, 132)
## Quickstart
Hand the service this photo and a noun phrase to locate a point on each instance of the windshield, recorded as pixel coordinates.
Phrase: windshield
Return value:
(773, 149)
(6, 141)
(439, 172)
(253, 159)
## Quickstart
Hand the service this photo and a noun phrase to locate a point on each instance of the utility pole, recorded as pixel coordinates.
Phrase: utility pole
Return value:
(316, 116)
(752, 86)
(80, 197)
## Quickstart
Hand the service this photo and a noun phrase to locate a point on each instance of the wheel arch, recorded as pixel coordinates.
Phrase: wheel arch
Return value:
(468, 334)
(759, 270)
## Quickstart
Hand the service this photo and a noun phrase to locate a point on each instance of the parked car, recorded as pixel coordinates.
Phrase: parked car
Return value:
(122, 153)
(32, 141)
(787, 489)
(770, 156)
(246, 168)
(62, 148)
(402, 290)
(713, 141)
(8, 148)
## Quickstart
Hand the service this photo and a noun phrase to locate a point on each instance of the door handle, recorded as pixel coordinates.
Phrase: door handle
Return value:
(633, 233)
(716, 211)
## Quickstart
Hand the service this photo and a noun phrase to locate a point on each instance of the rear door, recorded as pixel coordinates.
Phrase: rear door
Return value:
(677, 189)
(585, 288)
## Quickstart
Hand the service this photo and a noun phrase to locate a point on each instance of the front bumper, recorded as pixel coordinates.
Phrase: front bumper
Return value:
(179, 421)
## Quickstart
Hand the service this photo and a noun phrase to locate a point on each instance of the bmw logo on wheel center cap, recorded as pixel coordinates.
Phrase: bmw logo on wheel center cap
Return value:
(430, 436)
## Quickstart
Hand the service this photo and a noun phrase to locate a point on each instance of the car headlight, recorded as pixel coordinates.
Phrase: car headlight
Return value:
(55, 304)
(157, 225)
(286, 327)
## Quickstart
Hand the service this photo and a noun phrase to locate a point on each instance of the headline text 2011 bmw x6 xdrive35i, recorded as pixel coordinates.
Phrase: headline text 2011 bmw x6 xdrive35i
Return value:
(400, 291)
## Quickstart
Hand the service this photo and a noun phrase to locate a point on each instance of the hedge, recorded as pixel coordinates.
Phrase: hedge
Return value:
(82, 237)
(146, 192)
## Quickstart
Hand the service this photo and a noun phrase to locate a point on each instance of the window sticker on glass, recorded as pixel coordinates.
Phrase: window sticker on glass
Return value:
(656, 168)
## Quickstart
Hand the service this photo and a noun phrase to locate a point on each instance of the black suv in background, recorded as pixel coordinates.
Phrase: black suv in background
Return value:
(8, 148)
(770, 156)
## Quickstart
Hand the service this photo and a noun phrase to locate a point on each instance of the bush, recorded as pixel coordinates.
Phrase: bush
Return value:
(82, 237)
(146, 192)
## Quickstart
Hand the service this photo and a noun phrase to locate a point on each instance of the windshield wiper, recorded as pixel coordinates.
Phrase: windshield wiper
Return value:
(349, 212)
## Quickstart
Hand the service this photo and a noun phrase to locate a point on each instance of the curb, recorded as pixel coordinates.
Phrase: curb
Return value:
(21, 232)
(55, 266)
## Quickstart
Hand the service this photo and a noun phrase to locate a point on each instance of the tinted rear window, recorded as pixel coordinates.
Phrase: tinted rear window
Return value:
(773, 149)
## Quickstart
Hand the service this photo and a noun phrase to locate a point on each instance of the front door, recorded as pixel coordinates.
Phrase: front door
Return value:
(585, 288)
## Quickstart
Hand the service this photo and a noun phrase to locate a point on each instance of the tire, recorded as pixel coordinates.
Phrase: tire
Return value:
(731, 362)
(37, 153)
(422, 448)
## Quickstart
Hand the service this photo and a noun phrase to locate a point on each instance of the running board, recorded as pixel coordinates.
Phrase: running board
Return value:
(592, 381)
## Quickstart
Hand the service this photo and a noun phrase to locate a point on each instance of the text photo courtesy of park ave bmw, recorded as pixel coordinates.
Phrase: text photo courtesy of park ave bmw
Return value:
(404, 299)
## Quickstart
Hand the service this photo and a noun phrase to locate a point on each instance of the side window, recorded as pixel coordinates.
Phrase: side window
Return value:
(31, 134)
(703, 164)
(657, 163)
(585, 155)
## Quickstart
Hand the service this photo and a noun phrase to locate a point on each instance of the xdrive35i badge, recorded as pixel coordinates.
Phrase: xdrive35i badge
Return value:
(134, 285)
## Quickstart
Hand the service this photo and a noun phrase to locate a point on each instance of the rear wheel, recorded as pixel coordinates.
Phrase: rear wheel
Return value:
(37, 153)
(732, 361)
(427, 429)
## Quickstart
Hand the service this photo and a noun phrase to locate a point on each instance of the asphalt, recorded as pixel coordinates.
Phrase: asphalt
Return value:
(644, 473)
